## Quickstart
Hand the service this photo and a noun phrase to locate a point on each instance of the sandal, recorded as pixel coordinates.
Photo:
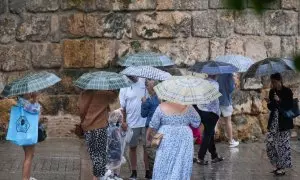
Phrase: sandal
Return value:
(202, 162)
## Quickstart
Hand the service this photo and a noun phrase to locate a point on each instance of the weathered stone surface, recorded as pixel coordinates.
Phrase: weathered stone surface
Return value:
(287, 46)
(34, 28)
(8, 25)
(86, 5)
(273, 5)
(14, 57)
(255, 48)
(225, 23)
(217, 4)
(204, 23)
(2, 82)
(290, 4)
(2, 6)
(234, 45)
(79, 53)
(17, 6)
(297, 44)
(5, 106)
(115, 25)
(182, 4)
(61, 126)
(69, 104)
(54, 35)
(50, 104)
(248, 23)
(42, 5)
(272, 45)
(46, 55)
(120, 5)
(163, 25)
(217, 47)
(252, 84)
(105, 51)
(281, 22)
(247, 127)
(242, 102)
(73, 25)
(263, 122)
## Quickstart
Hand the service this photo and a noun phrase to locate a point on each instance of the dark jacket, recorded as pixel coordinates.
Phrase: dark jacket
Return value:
(286, 103)
(148, 108)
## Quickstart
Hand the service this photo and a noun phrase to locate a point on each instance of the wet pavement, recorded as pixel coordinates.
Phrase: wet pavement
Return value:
(66, 159)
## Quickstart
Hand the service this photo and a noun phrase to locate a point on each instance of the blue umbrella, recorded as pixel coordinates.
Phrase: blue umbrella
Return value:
(239, 61)
(213, 67)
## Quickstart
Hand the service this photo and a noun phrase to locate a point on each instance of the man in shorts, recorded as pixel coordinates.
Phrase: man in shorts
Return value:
(130, 100)
(227, 86)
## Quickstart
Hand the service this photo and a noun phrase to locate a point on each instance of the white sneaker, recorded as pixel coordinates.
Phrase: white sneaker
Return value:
(233, 143)
(32, 178)
(106, 175)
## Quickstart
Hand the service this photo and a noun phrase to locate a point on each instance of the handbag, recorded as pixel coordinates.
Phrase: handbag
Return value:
(294, 112)
(156, 140)
(42, 134)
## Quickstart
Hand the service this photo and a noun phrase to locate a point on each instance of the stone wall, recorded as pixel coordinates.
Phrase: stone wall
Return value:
(70, 37)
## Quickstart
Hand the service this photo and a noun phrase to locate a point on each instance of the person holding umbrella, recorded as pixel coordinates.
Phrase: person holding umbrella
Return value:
(98, 93)
(27, 89)
(171, 121)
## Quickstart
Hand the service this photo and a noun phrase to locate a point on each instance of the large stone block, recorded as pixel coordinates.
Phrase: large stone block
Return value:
(273, 5)
(290, 4)
(15, 57)
(251, 84)
(111, 25)
(34, 28)
(50, 104)
(120, 5)
(273, 47)
(8, 25)
(242, 102)
(247, 127)
(255, 48)
(105, 51)
(217, 47)
(46, 55)
(73, 25)
(204, 23)
(5, 106)
(163, 25)
(248, 23)
(16, 6)
(54, 35)
(225, 23)
(42, 5)
(281, 22)
(69, 104)
(86, 5)
(79, 53)
(61, 126)
(234, 45)
(2, 7)
(288, 45)
(182, 4)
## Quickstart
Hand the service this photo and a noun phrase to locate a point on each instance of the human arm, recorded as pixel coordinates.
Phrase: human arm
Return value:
(122, 99)
(195, 119)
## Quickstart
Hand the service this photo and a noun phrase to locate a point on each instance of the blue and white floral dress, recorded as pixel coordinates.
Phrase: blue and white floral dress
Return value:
(174, 157)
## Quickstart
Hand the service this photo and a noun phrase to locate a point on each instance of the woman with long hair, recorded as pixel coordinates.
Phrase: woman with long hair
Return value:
(278, 136)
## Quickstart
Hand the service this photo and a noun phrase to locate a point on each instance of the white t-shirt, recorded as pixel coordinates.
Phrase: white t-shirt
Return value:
(131, 100)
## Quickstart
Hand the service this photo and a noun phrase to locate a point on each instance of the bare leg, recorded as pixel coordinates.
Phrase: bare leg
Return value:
(95, 178)
(146, 161)
(133, 158)
(228, 125)
(29, 152)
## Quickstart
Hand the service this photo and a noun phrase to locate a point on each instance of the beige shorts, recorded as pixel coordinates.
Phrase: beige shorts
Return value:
(226, 111)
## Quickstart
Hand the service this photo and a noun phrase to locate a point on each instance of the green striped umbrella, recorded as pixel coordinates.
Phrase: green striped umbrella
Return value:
(102, 80)
(30, 83)
(146, 59)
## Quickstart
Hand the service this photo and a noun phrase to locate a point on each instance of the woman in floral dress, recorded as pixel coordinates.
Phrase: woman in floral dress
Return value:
(278, 136)
(174, 156)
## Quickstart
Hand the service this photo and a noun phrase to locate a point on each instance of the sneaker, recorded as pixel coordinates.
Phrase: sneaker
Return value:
(133, 175)
(217, 159)
(148, 175)
(117, 178)
(233, 143)
(202, 162)
(106, 175)
(32, 178)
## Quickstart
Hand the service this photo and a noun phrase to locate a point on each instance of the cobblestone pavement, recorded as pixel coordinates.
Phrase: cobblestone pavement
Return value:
(66, 159)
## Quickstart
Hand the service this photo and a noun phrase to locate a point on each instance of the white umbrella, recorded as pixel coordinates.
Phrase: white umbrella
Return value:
(146, 72)
(241, 62)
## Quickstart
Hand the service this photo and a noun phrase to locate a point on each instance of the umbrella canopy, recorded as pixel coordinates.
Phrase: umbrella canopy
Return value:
(213, 67)
(187, 90)
(290, 62)
(266, 67)
(102, 80)
(146, 59)
(30, 83)
(241, 62)
(146, 72)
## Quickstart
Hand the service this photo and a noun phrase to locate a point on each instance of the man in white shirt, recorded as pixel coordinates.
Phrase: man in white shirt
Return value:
(130, 100)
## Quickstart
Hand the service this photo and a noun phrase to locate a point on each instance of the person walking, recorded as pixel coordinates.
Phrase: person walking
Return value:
(94, 111)
(148, 107)
(174, 156)
(209, 114)
(130, 100)
(278, 136)
(227, 86)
